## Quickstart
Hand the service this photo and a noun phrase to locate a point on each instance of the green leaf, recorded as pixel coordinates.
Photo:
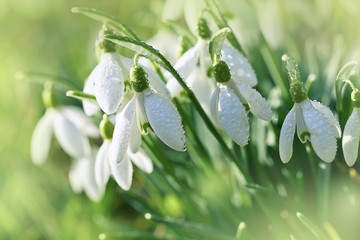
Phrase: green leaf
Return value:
(100, 16)
(141, 48)
(343, 75)
(292, 68)
(216, 43)
(81, 95)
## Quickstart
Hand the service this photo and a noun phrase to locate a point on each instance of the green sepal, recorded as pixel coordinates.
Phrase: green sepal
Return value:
(216, 42)
(106, 128)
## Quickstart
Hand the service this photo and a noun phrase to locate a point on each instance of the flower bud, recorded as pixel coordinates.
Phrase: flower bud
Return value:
(106, 128)
(221, 72)
(139, 79)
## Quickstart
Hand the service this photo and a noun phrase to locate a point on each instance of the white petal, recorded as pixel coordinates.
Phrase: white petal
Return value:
(350, 141)
(122, 172)
(214, 102)
(258, 105)
(202, 88)
(90, 107)
(157, 84)
(122, 132)
(92, 189)
(135, 138)
(141, 160)
(322, 135)
(165, 121)
(187, 61)
(184, 66)
(233, 116)
(102, 167)
(205, 61)
(41, 138)
(75, 175)
(329, 115)
(287, 136)
(109, 84)
(84, 123)
(69, 136)
(301, 128)
(240, 68)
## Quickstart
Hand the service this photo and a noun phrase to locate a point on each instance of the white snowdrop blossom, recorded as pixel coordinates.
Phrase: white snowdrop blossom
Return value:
(122, 172)
(314, 122)
(350, 141)
(146, 110)
(231, 101)
(70, 127)
(82, 177)
(106, 82)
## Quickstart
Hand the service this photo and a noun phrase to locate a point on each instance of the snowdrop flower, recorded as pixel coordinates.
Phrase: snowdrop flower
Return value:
(146, 110)
(350, 141)
(193, 66)
(82, 177)
(122, 172)
(69, 125)
(231, 101)
(313, 121)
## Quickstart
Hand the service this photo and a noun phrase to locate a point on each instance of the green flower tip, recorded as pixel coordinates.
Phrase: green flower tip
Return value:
(355, 98)
(139, 79)
(221, 72)
(203, 29)
(49, 98)
(298, 91)
(106, 128)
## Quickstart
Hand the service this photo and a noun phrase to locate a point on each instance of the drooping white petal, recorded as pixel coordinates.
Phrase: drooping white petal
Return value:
(164, 120)
(92, 189)
(287, 136)
(135, 138)
(75, 175)
(214, 102)
(69, 136)
(122, 132)
(233, 116)
(157, 84)
(124, 63)
(84, 123)
(350, 141)
(109, 84)
(122, 172)
(184, 66)
(90, 107)
(258, 105)
(301, 128)
(204, 56)
(202, 87)
(322, 134)
(141, 160)
(102, 167)
(41, 138)
(240, 68)
(329, 115)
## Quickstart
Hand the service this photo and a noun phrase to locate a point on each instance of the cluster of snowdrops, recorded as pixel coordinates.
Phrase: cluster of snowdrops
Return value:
(135, 96)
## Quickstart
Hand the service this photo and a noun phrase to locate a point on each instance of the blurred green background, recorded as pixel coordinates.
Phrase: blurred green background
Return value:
(44, 36)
